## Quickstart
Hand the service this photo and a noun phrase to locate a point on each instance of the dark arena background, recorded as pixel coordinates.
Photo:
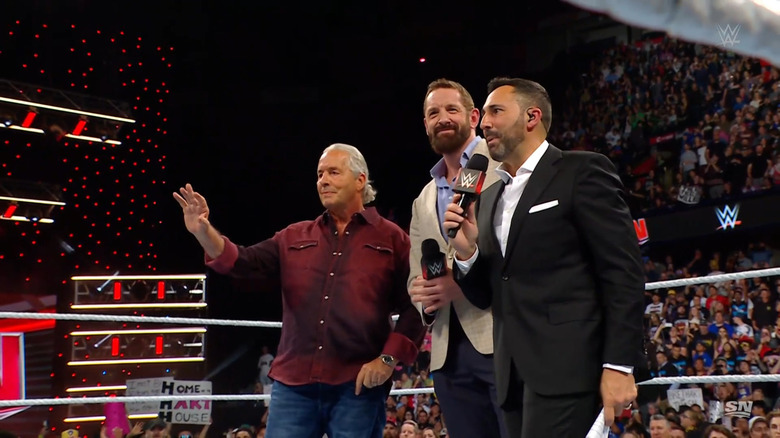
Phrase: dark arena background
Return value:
(106, 108)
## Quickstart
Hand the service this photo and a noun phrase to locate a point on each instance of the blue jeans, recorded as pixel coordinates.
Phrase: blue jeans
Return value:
(309, 411)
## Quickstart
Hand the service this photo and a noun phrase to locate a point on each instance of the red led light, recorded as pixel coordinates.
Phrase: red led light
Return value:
(28, 119)
(80, 125)
(9, 211)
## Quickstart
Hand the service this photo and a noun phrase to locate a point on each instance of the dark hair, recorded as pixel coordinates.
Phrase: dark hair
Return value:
(718, 428)
(245, 428)
(528, 92)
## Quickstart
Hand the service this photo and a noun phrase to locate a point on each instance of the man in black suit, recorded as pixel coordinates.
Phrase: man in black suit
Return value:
(554, 251)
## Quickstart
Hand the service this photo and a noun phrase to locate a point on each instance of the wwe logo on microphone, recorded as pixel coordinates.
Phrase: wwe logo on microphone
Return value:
(728, 35)
(468, 178)
(435, 268)
(728, 217)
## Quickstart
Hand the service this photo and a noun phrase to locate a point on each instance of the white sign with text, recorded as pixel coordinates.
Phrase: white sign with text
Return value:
(685, 397)
(176, 412)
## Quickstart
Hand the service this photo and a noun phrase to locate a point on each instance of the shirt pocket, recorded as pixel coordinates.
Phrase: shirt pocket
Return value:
(380, 248)
(302, 254)
(377, 262)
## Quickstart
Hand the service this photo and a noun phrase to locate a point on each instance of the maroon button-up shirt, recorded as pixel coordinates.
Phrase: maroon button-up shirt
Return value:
(338, 293)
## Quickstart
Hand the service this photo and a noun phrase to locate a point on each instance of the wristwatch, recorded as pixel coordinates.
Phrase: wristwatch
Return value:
(387, 360)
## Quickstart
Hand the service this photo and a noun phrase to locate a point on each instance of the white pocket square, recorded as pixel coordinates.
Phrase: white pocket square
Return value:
(543, 206)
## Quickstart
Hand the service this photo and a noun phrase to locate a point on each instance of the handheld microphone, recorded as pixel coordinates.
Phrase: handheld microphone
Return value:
(433, 262)
(469, 185)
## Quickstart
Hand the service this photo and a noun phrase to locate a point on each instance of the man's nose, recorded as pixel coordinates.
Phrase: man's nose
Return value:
(444, 120)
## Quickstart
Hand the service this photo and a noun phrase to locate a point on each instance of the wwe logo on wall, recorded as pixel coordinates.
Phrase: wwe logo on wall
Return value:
(728, 217)
(728, 35)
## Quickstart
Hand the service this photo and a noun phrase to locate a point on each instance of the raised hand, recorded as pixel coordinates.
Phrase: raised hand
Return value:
(196, 211)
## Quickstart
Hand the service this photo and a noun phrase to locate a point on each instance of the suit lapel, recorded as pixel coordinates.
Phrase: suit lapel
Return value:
(488, 201)
(541, 177)
(431, 208)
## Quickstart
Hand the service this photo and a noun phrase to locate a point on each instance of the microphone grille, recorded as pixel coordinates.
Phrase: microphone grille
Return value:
(478, 162)
(430, 248)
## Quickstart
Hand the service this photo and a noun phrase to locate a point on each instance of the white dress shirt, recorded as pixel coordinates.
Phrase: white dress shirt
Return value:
(513, 190)
(505, 210)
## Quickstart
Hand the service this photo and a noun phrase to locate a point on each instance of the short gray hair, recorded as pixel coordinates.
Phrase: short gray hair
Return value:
(660, 417)
(357, 164)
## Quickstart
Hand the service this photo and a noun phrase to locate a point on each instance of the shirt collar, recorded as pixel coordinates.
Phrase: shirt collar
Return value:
(368, 215)
(528, 167)
(439, 170)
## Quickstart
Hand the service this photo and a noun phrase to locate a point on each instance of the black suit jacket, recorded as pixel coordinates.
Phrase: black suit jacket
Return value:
(568, 296)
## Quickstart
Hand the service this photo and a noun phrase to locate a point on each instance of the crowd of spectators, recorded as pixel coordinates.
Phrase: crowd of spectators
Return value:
(684, 123)
(712, 328)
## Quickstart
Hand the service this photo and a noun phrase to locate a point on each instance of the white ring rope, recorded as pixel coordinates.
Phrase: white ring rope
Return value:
(733, 378)
(272, 324)
(411, 391)
(152, 398)
(713, 278)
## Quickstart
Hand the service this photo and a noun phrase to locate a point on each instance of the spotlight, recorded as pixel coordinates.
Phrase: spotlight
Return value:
(66, 247)
(8, 122)
(34, 214)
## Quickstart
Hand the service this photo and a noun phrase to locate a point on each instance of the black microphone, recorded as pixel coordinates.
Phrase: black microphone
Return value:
(469, 185)
(433, 262)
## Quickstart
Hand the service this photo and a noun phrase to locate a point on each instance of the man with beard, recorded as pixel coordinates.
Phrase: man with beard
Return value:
(553, 249)
(462, 334)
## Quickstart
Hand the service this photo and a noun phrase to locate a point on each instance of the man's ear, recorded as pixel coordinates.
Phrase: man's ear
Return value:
(474, 118)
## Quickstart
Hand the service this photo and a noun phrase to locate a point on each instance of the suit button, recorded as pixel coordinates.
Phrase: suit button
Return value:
(505, 277)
